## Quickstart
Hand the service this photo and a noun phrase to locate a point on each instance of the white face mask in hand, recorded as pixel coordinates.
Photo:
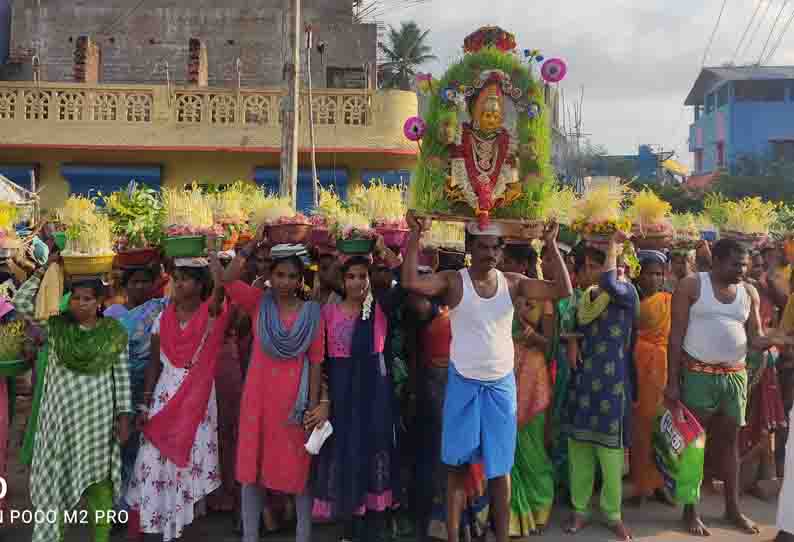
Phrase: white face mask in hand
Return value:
(318, 438)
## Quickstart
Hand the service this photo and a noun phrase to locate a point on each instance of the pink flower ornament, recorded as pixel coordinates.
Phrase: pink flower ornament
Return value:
(414, 128)
(554, 70)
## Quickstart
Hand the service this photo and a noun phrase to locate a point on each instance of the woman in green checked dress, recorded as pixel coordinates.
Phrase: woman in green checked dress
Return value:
(84, 415)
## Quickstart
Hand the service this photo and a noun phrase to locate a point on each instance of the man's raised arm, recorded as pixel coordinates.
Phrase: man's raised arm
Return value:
(546, 290)
(430, 285)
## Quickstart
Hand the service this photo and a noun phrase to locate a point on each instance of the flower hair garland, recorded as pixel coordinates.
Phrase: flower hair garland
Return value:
(366, 308)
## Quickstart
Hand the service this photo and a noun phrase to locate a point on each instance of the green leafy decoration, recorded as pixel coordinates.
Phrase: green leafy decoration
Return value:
(136, 215)
(427, 189)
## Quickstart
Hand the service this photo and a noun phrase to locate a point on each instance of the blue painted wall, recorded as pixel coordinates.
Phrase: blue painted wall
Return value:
(755, 124)
(647, 162)
(748, 127)
(708, 123)
(5, 29)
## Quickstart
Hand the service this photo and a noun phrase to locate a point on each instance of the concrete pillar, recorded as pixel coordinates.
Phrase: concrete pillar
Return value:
(87, 61)
(197, 68)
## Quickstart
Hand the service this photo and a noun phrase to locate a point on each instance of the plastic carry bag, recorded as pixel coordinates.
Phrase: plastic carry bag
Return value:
(680, 450)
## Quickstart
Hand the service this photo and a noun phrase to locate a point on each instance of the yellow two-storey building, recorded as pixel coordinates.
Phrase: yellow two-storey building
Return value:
(96, 94)
(78, 137)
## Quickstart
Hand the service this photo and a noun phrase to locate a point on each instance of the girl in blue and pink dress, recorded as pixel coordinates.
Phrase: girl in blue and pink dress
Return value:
(357, 469)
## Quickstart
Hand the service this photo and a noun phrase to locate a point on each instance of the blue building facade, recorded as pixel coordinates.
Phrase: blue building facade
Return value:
(742, 116)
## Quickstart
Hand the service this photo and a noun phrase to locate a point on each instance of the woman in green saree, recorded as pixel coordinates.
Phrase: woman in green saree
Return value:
(533, 474)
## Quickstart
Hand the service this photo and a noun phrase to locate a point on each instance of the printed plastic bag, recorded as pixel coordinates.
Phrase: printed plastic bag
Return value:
(680, 449)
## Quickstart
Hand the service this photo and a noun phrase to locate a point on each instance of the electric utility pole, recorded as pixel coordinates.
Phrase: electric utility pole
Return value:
(290, 124)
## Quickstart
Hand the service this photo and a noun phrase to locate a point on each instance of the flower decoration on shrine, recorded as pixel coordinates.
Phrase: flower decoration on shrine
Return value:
(414, 128)
(554, 70)
(489, 36)
(424, 82)
(483, 156)
(533, 110)
(449, 95)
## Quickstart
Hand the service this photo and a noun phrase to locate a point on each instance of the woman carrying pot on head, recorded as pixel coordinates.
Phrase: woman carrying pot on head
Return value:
(138, 316)
(282, 391)
(177, 466)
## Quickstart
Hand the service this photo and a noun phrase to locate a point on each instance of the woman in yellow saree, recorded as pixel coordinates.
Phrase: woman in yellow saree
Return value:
(650, 357)
(532, 476)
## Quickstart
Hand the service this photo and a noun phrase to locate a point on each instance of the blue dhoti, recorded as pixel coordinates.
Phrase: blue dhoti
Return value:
(480, 423)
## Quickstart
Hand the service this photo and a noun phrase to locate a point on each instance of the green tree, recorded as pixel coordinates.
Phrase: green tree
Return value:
(757, 176)
(405, 50)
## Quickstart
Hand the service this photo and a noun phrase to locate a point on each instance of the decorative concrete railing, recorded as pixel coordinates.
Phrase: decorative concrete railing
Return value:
(152, 104)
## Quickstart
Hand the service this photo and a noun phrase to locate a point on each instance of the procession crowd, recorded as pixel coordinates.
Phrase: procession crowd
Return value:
(408, 392)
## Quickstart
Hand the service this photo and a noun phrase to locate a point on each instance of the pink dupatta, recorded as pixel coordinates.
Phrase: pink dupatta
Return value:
(196, 348)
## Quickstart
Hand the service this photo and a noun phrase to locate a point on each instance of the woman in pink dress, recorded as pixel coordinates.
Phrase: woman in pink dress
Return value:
(358, 468)
(281, 395)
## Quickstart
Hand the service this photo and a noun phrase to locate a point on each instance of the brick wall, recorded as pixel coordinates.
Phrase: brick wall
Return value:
(87, 61)
(136, 46)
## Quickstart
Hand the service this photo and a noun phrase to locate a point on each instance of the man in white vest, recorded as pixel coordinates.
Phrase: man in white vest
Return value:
(480, 406)
(715, 320)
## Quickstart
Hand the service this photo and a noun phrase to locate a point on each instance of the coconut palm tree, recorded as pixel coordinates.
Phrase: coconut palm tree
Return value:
(405, 51)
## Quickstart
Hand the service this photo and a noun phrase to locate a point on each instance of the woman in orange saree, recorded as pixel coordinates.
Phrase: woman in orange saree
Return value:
(650, 357)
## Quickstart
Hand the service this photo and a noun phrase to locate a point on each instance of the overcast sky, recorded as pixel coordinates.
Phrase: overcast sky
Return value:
(637, 59)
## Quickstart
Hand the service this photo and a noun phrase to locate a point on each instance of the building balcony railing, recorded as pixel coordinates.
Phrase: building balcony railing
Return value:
(339, 115)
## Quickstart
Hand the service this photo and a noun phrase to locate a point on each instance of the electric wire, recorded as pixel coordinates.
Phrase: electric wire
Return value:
(713, 34)
(746, 31)
(772, 31)
(768, 4)
(779, 42)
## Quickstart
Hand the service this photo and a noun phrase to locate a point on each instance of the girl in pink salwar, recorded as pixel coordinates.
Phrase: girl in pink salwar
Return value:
(281, 394)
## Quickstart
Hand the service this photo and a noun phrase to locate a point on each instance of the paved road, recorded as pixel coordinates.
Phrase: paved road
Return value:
(653, 523)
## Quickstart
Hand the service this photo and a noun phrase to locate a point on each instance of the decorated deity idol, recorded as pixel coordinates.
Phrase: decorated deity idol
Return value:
(485, 152)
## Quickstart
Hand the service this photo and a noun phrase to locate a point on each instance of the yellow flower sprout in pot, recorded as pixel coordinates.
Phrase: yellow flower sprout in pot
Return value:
(686, 233)
(353, 233)
(327, 213)
(445, 235)
(386, 208)
(562, 204)
(651, 224)
(189, 222)
(598, 213)
(747, 220)
(229, 213)
(284, 225)
(9, 241)
(188, 213)
(89, 238)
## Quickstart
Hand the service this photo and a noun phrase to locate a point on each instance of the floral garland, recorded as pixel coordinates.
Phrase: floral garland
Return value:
(477, 171)
(366, 308)
(489, 36)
